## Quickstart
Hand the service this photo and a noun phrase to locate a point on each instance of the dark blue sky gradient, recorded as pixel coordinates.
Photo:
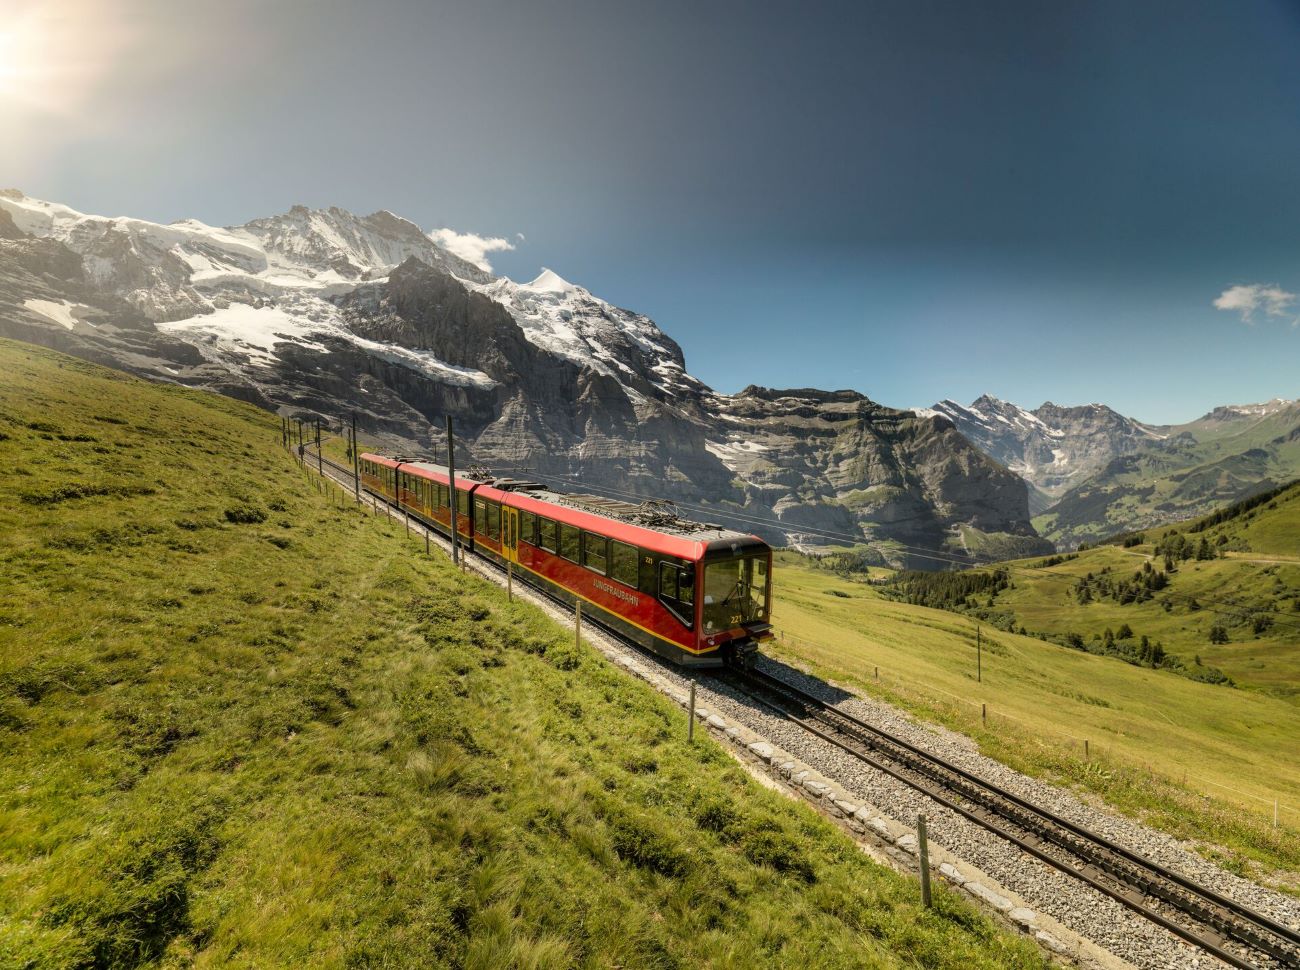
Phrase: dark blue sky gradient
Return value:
(915, 199)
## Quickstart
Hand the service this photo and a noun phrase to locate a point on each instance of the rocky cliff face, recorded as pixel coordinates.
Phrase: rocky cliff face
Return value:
(324, 312)
(1054, 448)
(833, 466)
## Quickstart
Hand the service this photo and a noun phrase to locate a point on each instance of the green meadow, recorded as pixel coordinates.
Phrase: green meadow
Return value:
(244, 724)
(1202, 761)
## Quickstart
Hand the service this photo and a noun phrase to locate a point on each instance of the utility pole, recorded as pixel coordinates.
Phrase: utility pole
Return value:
(356, 460)
(451, 477)
(979, 657)
(320, 460)
(300, 438)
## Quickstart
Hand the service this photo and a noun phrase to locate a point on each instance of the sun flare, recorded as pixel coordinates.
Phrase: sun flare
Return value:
(24, 58)
(52, 54)
(10, 69)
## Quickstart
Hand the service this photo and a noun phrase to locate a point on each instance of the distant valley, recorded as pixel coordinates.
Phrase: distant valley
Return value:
(1094, 473)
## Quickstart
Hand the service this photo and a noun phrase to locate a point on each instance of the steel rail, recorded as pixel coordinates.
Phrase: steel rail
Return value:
(1118, 872)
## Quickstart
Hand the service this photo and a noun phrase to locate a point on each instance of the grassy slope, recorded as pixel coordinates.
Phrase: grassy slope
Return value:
(298, 742)
(1266, 575)
(1146, 728)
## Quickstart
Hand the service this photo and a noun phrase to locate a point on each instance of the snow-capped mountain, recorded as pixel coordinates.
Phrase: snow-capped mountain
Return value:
(320, 311)
(1052, 447)
(567, 320)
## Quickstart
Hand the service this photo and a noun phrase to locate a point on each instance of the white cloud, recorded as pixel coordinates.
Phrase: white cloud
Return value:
(470, 247)
(1266, 298)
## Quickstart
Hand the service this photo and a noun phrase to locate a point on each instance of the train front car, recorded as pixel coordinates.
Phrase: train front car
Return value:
(734, 577)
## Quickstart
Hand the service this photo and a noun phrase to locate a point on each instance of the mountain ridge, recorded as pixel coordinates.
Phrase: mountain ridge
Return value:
(320, 311)
(1094, 472)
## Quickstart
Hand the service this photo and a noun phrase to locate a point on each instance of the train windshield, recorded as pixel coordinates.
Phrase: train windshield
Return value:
(735, 592)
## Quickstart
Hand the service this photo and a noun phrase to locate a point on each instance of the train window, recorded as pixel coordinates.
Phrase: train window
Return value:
(462, 502)
(480, 517)
(528, 527)
(649, 578)
(493, 520)
(546, 528)
(595, 552)
(686, 586)
(622, 562)
(677, 590)
(668, 580)
(442, 496)
(569, 542)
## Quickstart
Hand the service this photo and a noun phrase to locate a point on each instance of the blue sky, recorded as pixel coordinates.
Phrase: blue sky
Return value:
(914, 199)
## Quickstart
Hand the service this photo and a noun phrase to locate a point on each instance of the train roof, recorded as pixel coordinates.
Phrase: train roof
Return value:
(648, 523)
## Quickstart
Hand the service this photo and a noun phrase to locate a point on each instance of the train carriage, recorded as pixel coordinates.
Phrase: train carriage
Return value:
(697, 594)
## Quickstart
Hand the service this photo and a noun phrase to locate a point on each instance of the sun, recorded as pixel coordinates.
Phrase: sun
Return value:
(53, 53)
(10, 69)
(26, 69)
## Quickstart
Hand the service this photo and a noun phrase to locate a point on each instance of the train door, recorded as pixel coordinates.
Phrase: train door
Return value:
(510, 533)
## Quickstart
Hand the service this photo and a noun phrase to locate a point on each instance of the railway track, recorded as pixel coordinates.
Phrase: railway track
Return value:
(1233, 933)
(1229, 931)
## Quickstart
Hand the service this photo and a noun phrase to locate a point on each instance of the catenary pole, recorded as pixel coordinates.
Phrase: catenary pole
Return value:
(451, 478)
(356, 460)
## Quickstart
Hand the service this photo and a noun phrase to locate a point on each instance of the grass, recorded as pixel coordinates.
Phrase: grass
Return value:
(1160, 745)
(1255, 577)
(1199, 594)
(242, 723)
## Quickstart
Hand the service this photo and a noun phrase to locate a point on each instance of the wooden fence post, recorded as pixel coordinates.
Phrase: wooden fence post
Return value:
(923, 851)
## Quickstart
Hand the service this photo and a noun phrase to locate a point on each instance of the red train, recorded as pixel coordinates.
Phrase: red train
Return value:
(696, 594)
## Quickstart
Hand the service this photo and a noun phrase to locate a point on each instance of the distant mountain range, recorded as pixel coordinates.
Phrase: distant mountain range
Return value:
(1094, 472)
(320, 311)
